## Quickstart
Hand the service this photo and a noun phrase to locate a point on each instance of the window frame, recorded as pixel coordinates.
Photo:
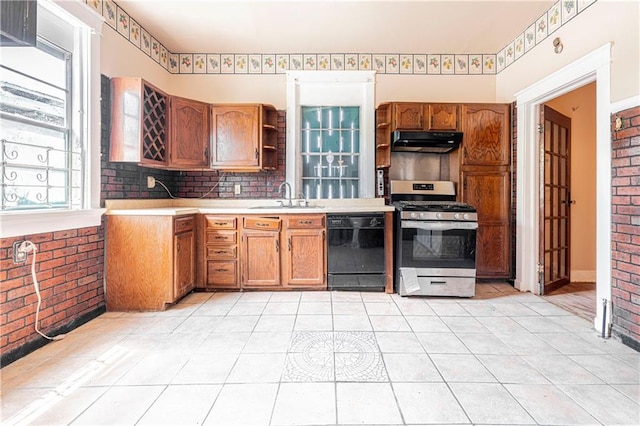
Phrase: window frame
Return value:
(87, 30)
(331, 88)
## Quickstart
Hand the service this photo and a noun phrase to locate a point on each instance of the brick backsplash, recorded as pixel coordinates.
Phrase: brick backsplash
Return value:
(625, 227)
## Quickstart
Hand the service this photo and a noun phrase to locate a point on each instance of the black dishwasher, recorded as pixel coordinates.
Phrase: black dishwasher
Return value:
(355, 251)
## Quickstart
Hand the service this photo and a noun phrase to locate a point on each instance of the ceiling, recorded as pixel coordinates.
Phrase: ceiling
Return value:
(335, 26)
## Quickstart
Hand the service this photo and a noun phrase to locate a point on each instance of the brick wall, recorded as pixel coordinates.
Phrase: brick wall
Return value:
(69, 269)
(625, 227)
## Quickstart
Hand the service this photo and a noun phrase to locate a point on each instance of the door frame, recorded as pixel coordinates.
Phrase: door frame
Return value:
(595, 66)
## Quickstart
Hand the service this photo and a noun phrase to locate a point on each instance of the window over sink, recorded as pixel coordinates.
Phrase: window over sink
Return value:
(330, 132)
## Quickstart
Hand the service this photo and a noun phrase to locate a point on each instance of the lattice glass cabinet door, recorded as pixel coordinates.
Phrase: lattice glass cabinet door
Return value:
(330, 151)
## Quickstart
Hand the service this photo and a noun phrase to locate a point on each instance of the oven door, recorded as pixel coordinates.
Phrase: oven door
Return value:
(437, 245)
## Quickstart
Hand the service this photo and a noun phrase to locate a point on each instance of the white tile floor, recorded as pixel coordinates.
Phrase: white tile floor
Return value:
(316, 358)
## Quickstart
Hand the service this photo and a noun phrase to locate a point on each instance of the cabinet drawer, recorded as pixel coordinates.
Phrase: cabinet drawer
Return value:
(305, 221)
(182, 224)
(262, 223)
(221, 272)
(214, 252)
(221, 237)
(221, 222)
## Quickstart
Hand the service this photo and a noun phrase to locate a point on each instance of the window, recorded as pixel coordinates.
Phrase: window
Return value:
(41, 164)
(330, 151)
(49, 153)
(330, 133)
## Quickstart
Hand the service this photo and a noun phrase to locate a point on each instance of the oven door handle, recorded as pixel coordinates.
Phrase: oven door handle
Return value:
(437, 226)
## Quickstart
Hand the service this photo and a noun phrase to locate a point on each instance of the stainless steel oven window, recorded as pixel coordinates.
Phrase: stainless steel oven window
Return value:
(449, 245)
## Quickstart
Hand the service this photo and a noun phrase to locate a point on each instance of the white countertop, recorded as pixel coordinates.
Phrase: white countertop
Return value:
(182, 206)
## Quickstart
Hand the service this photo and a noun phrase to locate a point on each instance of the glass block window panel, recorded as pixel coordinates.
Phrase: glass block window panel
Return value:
(330, 151)
(41, 165)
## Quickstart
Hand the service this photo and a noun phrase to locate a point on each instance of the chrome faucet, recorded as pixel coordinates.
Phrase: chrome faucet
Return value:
(287, 185)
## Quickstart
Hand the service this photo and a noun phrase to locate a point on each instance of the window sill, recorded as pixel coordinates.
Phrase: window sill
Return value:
(15, 224)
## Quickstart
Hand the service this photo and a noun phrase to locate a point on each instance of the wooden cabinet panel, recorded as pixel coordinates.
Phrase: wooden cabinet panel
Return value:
(492, 251)
(149, 264)
(139, 123)
(408, 116)
(304, 221)
(262, 223)
(189, 143)
(303, 261)
(260, 254)
(488, 191)
(442, 116)
(234, 136)
(220, 266)
(184, 261)
(222, 274)
(486, 135)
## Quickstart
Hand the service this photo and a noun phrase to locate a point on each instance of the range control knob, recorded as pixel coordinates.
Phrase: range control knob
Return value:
(466, 216)
(439, 215)
(414, 215)
(422, 215)
(457, 216)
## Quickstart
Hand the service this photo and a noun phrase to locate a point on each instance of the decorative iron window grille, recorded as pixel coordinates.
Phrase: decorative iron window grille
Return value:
(41, 160)
(330, 151)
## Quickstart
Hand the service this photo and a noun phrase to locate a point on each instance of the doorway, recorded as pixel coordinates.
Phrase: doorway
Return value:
(570, 278)
(594, 67)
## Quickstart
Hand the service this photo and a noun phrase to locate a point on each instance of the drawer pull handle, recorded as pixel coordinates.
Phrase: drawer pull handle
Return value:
(222, 270)
(220, 251)
(438, 282)
(305, 222)
(220, 237)
(220, 223)
(261, 224)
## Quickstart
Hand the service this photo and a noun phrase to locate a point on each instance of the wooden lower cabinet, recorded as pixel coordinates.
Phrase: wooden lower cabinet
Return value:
(220, 237)
(304, 258)
(488, 191)
(284, 252)
(145, 270)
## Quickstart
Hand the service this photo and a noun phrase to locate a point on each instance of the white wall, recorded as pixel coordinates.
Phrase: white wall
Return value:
(603, 22)
(120, 58)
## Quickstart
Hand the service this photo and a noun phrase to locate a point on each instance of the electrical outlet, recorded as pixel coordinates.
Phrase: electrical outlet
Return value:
(236, 189)
(19, 256)
(151, 182)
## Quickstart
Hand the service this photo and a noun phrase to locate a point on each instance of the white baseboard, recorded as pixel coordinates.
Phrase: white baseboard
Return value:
(583, 276)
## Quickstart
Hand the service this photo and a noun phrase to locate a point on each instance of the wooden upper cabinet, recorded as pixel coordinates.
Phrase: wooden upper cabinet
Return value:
(139, 122)
(189, 142)
(235, 139)
(408, 116)
(442, 116)
(486, 135)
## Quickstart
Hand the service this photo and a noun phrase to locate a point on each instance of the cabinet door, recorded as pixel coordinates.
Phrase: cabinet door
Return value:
(488, 191)
(189, 145)
(260, 257)
(184, 261)
(303, 258)
(486, 135)
(139, 123)
(442, 117)
(234, 137)
(408, 116)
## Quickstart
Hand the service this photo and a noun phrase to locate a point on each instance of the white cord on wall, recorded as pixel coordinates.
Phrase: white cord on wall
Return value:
(26, 247)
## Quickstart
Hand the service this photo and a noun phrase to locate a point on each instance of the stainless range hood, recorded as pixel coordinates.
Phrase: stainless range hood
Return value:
(421, 141)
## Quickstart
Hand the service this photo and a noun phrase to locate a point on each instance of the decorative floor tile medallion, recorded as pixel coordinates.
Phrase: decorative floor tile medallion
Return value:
(327, 356)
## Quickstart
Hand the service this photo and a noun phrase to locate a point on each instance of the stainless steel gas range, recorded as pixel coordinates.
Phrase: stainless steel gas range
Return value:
(435, 240)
